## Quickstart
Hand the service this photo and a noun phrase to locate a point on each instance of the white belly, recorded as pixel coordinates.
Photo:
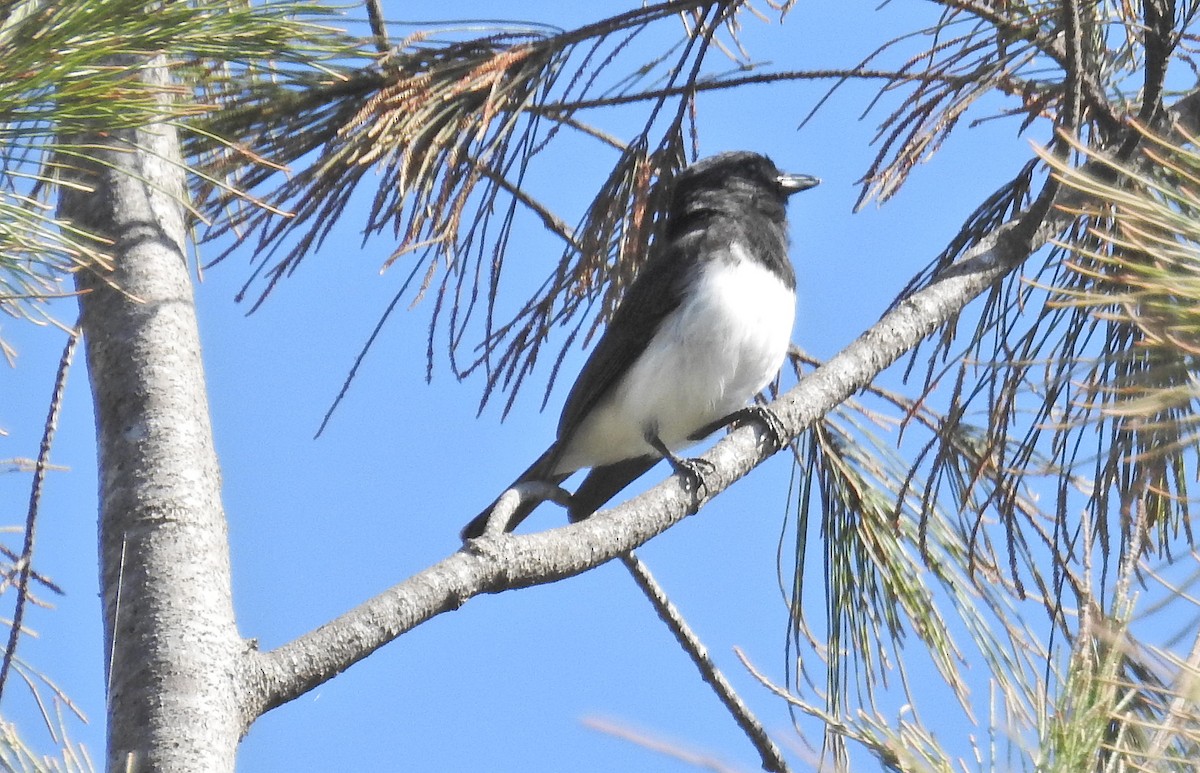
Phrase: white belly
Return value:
(719, 349)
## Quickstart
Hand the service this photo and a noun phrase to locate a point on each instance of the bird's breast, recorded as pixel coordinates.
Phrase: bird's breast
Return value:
(721, 346)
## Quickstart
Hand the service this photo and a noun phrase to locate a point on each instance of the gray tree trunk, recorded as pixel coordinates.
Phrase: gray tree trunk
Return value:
(172, 646)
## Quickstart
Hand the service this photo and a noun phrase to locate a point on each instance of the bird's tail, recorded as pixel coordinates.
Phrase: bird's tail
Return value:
(543, 471)
(604, 483)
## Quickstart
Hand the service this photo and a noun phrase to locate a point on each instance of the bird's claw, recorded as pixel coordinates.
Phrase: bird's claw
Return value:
(768, 420)
(693, 471)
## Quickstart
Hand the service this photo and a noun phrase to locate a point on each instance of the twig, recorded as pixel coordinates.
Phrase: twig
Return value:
(677, 751)
(378, 25)
(762, 78)
(1181, 708)
(25, 562)
(516, 495)
(772, 758)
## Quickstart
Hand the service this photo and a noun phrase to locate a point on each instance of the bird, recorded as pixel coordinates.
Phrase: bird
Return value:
(703, 328)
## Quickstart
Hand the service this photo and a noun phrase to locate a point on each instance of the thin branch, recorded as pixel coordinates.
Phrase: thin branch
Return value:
(25, 563)
(772, 758)
(749, 80)
(684, 754)
(378, 25)
(1053, 47)
(1182, 707)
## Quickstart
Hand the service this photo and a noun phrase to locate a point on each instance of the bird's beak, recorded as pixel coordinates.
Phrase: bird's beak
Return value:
(794, 183)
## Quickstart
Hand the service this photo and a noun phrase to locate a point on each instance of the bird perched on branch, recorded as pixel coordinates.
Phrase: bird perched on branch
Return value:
(702, 329)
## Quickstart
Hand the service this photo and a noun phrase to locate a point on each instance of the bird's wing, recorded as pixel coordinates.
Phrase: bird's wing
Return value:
(635, 322)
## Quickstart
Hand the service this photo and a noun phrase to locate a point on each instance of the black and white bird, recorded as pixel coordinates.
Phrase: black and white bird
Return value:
(703, 328)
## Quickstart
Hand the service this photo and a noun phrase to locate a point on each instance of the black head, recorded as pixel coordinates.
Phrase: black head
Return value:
(740, 179)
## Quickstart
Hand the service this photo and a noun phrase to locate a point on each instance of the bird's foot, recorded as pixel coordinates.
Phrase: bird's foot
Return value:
(760, 414)
(691, 470)
(764, 417)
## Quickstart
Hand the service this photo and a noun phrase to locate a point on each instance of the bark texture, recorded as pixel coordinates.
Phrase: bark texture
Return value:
(171, 643)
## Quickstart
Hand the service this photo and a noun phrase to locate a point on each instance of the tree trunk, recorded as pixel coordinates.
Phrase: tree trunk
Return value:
(171, 642)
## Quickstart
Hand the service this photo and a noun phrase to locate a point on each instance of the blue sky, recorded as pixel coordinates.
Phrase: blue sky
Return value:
(318, 526)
